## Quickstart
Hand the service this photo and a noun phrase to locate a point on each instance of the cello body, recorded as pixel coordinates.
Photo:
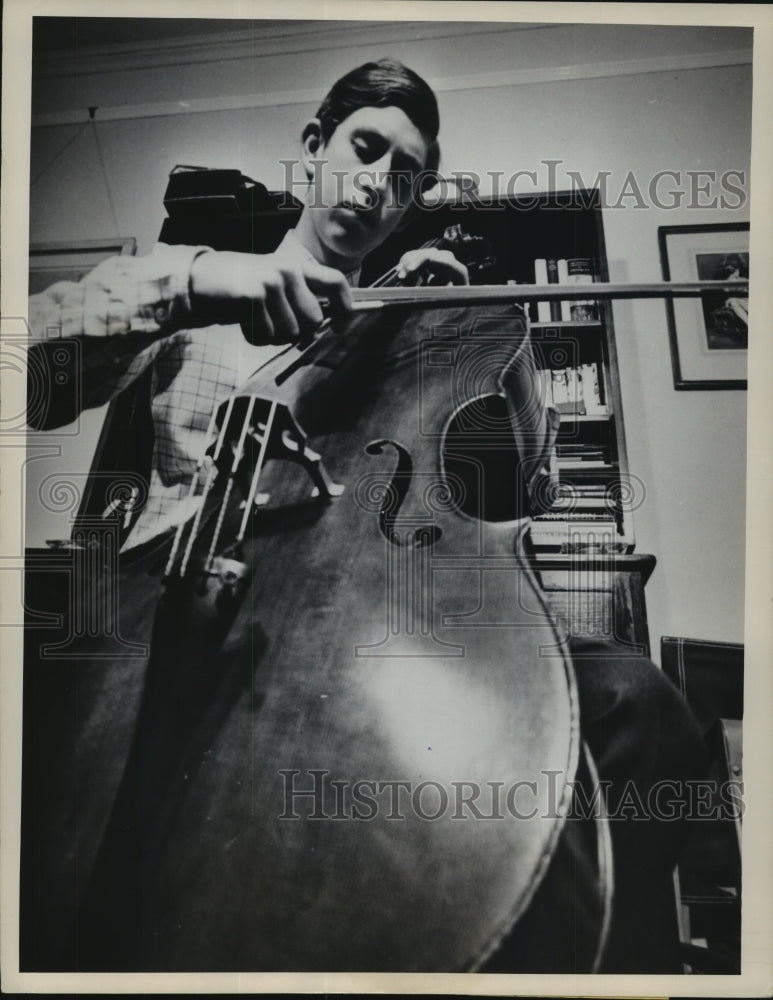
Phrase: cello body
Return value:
(338, 729)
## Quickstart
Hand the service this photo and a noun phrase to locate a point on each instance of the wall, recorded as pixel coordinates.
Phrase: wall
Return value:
(595, 98)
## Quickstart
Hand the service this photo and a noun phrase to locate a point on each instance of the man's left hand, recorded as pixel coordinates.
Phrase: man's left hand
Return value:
(440, 265)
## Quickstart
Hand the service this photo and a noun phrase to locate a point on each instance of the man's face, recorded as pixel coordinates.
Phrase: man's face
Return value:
(361, 191)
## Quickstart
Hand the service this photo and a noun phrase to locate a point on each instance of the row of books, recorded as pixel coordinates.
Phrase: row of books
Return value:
(566, 271)
(581, 458)
(573, 390)
(578, 521)
(582, 451)
(574, 496)
(584, 516)
(580, 533)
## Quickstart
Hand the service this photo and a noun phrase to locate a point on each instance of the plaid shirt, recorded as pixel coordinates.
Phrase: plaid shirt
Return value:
(133, 312)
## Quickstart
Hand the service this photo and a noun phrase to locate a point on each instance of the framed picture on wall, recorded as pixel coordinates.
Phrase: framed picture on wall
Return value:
(71, 260)
(708, 336)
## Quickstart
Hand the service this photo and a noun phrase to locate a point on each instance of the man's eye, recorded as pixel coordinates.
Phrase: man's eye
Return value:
(367, 150)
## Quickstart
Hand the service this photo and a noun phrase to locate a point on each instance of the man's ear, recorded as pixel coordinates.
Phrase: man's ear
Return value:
(311, 144)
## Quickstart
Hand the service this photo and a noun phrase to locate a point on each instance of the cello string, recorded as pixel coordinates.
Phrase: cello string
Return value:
(211, 474)
(322, 334)
(389, 278)
(191, 491)
(386, 279)
(256, 473)
(238, 454)
(306, 353)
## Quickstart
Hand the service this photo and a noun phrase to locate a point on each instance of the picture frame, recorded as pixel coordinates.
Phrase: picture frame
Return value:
(71, 260)
(708, 336)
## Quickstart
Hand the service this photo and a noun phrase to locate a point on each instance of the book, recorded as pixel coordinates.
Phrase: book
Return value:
(581, 451)
(541, 278)
(591, 391)
(576, 533)
(572, 497)
(574, 390)
(579, 271)
(565, 390)
(555, 307)
(580, 516)
(580, 464)
(563, 279)
(574, 504)
(560, 387)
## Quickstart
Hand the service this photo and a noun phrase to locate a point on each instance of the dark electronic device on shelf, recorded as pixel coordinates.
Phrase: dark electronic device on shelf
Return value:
(225, 210)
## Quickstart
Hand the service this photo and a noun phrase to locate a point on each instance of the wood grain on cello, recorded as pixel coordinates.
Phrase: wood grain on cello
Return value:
(375, 633)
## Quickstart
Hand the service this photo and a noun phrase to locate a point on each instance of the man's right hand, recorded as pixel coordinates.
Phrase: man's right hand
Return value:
(274, 299)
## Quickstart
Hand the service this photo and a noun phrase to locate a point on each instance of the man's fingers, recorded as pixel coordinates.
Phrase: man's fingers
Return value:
(445, 265)
(329, 283)
(302, 300)
(284, 320)
(273, 298)
(410, 264)
(258, 328)
(440, 263)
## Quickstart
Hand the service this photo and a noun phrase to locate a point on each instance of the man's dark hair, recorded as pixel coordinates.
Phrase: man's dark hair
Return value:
(381, 84)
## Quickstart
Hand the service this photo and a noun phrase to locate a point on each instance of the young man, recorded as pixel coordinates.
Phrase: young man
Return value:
(206, 320)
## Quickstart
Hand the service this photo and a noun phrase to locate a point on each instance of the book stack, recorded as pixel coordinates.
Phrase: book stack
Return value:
(580, 271)
(582, 533)
(573, 390)
(581, 457)
(566, 271)
(582, 498)
(541, 278)
(582, 517)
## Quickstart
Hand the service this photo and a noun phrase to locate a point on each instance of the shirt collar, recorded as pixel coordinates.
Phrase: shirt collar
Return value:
(293, 245)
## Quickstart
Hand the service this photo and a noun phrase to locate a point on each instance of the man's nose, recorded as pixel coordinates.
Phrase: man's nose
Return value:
(376, 180)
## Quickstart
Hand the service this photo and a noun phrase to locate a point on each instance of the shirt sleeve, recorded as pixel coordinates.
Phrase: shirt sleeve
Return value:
(92, 338)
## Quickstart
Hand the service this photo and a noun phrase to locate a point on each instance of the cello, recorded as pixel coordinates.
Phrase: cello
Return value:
(349, 741)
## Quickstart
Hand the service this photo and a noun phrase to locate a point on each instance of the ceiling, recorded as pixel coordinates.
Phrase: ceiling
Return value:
(52, 34)
(66, 34)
